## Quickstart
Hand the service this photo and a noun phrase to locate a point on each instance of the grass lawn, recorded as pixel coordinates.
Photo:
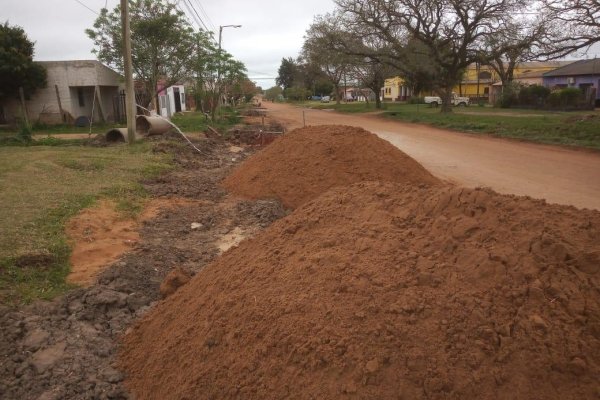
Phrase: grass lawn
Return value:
(41, 187)
(57, 129)
(198, 122)
(565, 128)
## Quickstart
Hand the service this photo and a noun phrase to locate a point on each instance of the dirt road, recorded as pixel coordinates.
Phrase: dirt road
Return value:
(556, 174)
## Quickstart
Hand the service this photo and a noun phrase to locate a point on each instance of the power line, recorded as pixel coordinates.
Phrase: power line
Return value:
(94, 11)
(189, 2)
(205, 14)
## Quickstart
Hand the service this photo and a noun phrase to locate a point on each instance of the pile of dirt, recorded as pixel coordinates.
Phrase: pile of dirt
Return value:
(301, 165)
(387, 291)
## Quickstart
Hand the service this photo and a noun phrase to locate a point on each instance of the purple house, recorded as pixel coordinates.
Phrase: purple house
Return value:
(583, 74)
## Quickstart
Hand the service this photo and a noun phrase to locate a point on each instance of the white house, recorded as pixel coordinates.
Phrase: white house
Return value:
(172, 100)
(74, 88)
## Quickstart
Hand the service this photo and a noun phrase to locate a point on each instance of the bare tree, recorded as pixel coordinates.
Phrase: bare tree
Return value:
(450, 31)
(317, 51)
(573, 26)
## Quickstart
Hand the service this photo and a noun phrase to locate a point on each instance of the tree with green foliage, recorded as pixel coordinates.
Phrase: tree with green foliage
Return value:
(163, 42)
(17, 68)
(287, 73)
(274, 93)
(212, 87)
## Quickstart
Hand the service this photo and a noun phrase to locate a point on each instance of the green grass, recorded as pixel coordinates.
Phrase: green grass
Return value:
(550, 127)
(38, 129)
(198, 122)
(41, 187)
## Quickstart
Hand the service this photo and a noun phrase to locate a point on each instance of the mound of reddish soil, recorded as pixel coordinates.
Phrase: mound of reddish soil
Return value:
(387, 291)
(301, 165)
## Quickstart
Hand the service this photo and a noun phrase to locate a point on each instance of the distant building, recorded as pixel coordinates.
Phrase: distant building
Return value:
(483, 82)
(171, 99)
(75, 87)
(396, 89)
(583, 74)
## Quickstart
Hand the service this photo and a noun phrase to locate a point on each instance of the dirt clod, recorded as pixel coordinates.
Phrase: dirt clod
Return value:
(173, 281)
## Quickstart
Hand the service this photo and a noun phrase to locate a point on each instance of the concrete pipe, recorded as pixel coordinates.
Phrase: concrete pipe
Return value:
(148, 126)
(117, 135)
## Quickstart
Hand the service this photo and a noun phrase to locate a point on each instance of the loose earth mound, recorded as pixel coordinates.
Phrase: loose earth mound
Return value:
(301, 165)
(387, 291)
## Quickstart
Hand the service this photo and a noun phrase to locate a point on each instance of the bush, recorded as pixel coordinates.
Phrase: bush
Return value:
(509, 96)
(24, 133)
(568, 98)
(297, 93)
(533, 96)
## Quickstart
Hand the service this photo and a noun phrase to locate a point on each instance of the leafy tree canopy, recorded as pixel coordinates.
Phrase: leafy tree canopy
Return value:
(162, 41)
(287, 73)
(17, 68)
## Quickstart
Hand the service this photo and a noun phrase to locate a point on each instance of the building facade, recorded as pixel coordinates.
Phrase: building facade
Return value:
(583, 74)
(81, 88)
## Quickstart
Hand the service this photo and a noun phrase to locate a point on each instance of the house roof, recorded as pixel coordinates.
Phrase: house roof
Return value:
(581, 67)
(529, 75)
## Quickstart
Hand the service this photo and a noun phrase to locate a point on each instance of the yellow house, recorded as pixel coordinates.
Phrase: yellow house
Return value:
(488, 85)
(395, 89)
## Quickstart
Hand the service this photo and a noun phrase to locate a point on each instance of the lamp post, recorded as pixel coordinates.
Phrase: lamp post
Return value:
(219, 64)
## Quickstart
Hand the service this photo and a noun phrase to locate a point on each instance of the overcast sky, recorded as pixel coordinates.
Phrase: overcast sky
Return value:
(271, 29)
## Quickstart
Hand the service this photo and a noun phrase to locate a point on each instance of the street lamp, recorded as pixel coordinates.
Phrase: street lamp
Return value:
(221, 32)
(219, 63)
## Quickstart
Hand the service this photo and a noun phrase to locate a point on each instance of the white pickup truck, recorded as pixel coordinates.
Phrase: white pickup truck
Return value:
(456, 100)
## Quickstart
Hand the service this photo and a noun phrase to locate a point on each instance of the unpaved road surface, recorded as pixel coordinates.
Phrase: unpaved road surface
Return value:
(557, 174)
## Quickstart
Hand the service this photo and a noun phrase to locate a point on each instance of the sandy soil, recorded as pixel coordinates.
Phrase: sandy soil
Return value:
(101, 235)
(557, 174)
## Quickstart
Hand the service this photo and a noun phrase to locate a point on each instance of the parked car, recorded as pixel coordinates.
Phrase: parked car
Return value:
(325, 99)
(435, 101)
(316, 98)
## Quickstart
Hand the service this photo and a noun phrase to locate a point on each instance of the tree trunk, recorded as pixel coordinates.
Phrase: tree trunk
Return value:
(447, 100)
(337, 94)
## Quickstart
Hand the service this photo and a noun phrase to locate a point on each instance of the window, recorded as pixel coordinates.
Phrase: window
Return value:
(80, 97)
(485, 75)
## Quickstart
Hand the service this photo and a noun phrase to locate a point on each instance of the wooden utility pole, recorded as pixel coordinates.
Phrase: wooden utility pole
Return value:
(129, 92)
(60, 109)
(24, 107)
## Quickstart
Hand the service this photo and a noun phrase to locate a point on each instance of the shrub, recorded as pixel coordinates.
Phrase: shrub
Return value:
(510, 95)
(570, 97)
(297, 93)
(533, 96)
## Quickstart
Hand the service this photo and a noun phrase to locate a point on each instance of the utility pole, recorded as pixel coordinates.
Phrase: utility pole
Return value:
(218, 102)
(129, 91)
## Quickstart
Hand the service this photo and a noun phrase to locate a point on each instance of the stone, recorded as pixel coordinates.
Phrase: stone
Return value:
(538, 323)
(196, 225)
(35, 339)
(44, 359)
(372, 366)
